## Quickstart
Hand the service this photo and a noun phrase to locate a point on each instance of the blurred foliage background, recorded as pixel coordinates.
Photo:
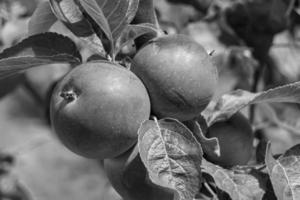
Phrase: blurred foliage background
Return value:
(49, 171)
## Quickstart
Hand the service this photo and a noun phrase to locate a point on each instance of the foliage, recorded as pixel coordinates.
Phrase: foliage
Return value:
(174, 153)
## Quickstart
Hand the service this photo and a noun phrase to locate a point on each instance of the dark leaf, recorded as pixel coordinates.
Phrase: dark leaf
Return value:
(239, 184)
(234, 101)
(285, 173)
(172, 156)
(42, 19)
(37, 50)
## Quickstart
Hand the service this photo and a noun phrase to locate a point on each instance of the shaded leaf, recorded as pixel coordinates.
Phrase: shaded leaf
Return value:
(37, 50)
(234, 101)
(42, 19)
(171, 155)
(239, 184)
(285, 173)
(132, 32)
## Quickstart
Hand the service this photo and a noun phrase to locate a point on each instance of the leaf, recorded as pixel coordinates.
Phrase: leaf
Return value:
(240, 185)
(209, 145)
(37, 50)
(234, 101)
(285, 173)
(119, 13)
(71, 16)
(270, 115)
(132, 32)
(42, 19)
(96, 13)
(171, 155)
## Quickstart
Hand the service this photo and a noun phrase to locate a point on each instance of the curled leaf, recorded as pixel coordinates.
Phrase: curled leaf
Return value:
(171, 155)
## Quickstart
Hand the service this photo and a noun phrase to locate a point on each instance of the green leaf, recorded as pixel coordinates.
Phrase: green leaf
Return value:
(132, 32)
(234, 101)
(247, 184)
(42, 19)
(37, 50)
(171, 155)
(285, 173)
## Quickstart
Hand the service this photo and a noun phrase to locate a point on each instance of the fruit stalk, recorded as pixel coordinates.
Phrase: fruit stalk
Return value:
(145, 14)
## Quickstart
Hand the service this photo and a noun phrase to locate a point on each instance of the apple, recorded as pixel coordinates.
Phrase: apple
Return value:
(178, 74)
(235, 139)
(97, 108)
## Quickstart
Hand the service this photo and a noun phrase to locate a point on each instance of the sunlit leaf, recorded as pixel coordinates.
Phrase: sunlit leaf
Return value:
(172, 156)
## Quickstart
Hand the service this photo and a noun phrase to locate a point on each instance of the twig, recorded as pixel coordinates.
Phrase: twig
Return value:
(215, 197)
(257, 76)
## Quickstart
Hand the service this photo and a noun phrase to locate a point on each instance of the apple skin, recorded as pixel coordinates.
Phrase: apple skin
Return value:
(97, 108)
(178, 74)
(131, 182)
(235, 139)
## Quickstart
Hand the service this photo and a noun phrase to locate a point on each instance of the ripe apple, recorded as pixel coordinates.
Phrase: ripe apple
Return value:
(97, 108)
(178, 74)
(235, 139)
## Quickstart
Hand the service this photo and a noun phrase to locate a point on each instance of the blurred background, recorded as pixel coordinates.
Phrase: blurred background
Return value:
(32, 161)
